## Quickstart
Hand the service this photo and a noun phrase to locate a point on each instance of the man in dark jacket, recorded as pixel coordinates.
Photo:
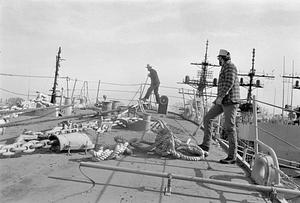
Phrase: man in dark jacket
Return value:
(154, 84)
(227, 101)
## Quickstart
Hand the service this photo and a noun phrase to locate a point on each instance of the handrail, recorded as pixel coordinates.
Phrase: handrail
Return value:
(191, 178)
(257, 143)
(32, 109)
(290, 110)
(97, 114)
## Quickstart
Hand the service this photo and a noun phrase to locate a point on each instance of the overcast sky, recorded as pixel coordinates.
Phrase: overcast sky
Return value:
(113, 41)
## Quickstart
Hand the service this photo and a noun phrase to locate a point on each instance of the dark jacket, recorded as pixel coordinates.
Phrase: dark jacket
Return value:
(228, 85)
(154, 77)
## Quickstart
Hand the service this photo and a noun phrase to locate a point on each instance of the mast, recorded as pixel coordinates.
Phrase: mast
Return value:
(292, 83)
(251, 75)
(53, 95)
(296, 86)
(283, 69)
(251, 85)
(205, 73)
(202, 83)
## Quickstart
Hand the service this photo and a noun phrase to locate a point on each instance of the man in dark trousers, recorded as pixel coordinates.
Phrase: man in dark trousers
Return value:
(227, 102)
(154, 84)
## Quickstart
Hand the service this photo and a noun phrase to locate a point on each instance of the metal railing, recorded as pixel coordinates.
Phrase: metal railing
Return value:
(267, 148)
(190, 178)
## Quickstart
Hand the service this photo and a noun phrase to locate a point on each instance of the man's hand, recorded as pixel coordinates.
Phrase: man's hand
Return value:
(218, 101)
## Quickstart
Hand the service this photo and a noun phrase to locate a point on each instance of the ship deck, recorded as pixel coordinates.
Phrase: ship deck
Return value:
(45, 176)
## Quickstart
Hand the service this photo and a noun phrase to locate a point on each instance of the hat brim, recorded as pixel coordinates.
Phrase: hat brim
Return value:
(222, 56)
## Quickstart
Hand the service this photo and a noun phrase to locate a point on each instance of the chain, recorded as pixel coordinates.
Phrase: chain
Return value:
(29, 141)
(25, 147)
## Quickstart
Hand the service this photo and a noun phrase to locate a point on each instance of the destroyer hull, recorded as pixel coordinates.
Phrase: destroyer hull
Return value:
(284, 139)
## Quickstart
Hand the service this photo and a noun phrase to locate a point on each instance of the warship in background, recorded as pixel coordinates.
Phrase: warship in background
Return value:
(280, 133)
(157, 172)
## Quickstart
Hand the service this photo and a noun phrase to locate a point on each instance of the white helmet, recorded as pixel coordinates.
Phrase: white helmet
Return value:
(224, 52)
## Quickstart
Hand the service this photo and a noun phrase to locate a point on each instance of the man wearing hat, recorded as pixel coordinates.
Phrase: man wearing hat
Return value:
(154, 84)
(227, 101)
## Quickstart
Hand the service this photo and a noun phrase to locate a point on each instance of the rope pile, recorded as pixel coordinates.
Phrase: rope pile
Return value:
(166, 143)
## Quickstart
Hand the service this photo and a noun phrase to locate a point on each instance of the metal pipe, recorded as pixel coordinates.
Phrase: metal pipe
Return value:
(196, 105)
(292, 85)
(61, 97)
(255, 125)
(182, 97)
(283, 70)
(67, 78)
(143, 87)
(30, 109)
(98, 91)
(191, 178)
(33, 120)
(263, 145)
(72, 96)
(290, 110)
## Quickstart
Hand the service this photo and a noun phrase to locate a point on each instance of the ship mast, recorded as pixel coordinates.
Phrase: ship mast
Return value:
(202, 83)
(296, 86)
(58, 59)
(251, 76)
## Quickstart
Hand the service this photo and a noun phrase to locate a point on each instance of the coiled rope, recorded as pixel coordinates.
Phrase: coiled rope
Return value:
(166, 143)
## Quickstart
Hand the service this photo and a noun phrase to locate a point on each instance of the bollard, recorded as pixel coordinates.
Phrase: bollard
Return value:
(163, 105)
(107, 106)
(147, 121)
(115, 105)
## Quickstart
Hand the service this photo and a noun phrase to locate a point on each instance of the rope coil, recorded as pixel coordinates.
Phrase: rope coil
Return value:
(166, 143)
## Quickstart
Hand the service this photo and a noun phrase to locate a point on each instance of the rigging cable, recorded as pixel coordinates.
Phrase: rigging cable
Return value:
(28, 76)
(5, 90)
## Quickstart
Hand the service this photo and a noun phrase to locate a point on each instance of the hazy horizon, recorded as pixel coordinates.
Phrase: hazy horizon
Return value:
(113, 41)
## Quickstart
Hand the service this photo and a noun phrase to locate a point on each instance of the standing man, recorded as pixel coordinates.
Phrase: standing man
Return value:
(227, 101)
(154, 84)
